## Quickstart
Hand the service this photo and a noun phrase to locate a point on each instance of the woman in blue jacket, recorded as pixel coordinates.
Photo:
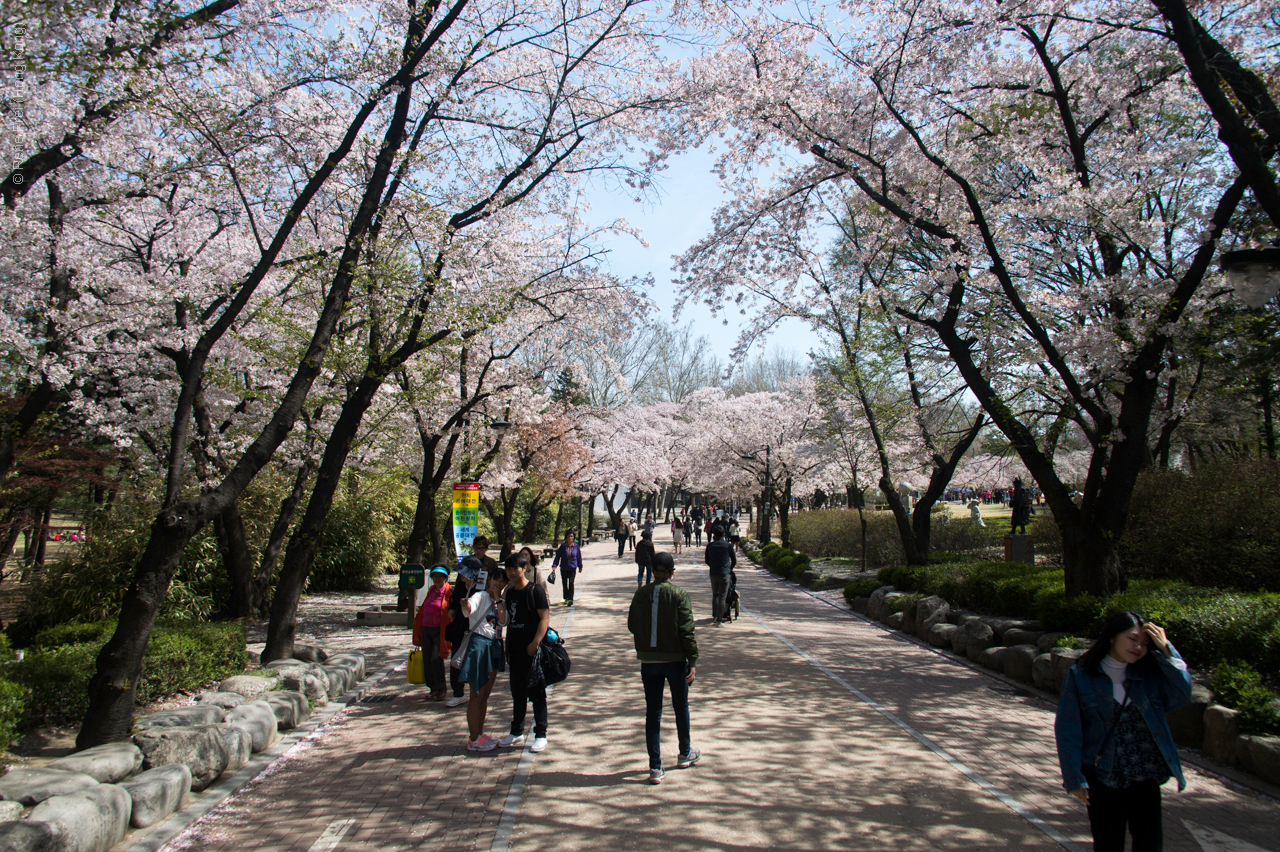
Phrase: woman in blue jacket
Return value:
(1114, 745)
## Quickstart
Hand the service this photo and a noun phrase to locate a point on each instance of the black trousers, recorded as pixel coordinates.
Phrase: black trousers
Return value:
(519, 662)
(1134, 809)
(622, 543)
(566, 583)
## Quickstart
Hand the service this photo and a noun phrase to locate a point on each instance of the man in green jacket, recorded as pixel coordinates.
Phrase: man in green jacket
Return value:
(661, 620)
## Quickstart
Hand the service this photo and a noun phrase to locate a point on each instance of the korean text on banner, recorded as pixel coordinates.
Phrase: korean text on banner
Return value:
(466, 516)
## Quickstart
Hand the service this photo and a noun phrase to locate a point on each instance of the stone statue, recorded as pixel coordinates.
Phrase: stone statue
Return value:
(975, 513)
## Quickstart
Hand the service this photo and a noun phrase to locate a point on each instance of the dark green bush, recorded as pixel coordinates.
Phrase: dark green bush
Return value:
(6, 650)
(12, 702)
(74, 634)
(358, 544)
(1238, 685)
(861, 588)
(1214, 527)
(180, 657)
(905, 602)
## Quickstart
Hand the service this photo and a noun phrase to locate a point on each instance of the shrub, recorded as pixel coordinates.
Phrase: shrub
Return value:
(860, 588)
(180, 657)
(12, 703)
(1238, 685)
(357, 545)
(904, 603)
(6, 651)
(781, 564)
(1214, 527)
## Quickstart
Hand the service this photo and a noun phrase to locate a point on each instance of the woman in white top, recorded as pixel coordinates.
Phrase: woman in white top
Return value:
(483, 658)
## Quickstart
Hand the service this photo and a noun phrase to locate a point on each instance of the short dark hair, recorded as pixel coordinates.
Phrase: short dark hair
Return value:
(717, 532)
(480, 542)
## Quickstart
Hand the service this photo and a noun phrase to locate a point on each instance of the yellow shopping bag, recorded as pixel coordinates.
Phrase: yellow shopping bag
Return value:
(416, 673)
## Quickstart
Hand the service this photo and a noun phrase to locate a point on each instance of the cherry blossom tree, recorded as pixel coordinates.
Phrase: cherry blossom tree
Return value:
(1039, 177)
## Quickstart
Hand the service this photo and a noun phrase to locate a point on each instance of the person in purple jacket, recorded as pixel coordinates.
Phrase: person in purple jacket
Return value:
(569, 561)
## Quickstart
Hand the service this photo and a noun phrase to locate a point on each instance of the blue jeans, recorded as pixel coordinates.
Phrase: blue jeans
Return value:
(654, 675)
(644, 574)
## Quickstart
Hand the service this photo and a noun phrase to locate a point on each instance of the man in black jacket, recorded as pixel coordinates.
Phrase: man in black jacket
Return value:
(720, 559)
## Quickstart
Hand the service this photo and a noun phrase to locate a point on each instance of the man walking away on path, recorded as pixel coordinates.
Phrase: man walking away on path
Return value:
(661, 620)
(569, 561)
(644, 559)
(720, 560)
(528, 617)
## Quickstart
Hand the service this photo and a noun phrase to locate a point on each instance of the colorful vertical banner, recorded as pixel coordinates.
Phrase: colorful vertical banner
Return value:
(466, 516)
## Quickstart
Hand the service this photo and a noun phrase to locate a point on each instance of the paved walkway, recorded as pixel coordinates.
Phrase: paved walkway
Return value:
(818, 731)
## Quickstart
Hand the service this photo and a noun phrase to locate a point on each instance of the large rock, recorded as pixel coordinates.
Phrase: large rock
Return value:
(1000, 625)
(92, 820)
(978, 637)
(930, 611)
(239, 745)
(259, 720)
(1048, 641)
(877, 608)
(179, 717)
(1221, 735)
(353, 661)
(30, 836)
(33, 785)
(1042, 673)
(909, 620)
(106, 763)
(961, 617)
(315, 689)
(859, 604)
(250, 686)
(309, 653)
(1020, 636)
(993, 657)
(1063, 660)
(157, 793)
(1187, 722)
(281, 666)
(341, 680)
(1261, 756)
(198, 747)
(290, 708)
(225, 700)
(1018, 660)
(940, 635)
(10, 810)
(896, 620)
(960, 640)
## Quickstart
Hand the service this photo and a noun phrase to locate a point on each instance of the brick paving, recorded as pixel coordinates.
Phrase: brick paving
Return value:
(792, 759)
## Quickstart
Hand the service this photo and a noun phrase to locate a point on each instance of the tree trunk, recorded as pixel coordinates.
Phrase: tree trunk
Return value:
(591, 517)
(766, 516)
(260, 593)
(42, 538)
(529, 535)
(229, 527)
(1091, 560)
(112, 687)
(555, 533)
(301, 553)
(784, 514)
(939, 479)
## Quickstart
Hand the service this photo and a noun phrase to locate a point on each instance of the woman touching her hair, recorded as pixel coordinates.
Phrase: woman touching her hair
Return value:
(1114, 745)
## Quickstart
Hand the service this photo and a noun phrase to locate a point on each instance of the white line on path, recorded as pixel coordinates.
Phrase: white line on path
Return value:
(1216, 841)
(1009, 801)
(332, 835)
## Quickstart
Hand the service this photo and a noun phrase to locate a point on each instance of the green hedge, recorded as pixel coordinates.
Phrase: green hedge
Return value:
(1239, 686)
(180, 657)
(1209, 626)
(1215, 527)
(784, 562)
(837, 533)
(12, 704)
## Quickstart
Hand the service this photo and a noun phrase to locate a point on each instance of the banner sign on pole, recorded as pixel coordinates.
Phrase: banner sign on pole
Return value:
(466, 516)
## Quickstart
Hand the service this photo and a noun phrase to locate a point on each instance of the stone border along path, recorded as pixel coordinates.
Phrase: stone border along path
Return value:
(201, 803)
(817, 733)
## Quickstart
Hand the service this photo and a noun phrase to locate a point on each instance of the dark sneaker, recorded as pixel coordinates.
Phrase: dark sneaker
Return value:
(687, 760)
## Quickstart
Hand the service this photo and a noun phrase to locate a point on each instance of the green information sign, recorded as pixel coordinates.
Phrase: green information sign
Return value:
(413, 575)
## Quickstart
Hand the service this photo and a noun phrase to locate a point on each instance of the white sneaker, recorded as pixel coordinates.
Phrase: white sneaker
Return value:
(511, 740)
(456, 701)
(539, 744)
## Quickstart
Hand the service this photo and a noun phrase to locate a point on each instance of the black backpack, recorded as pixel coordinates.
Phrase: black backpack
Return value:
(554, 658)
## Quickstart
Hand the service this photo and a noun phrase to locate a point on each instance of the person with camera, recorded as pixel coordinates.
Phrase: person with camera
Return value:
(661, 620)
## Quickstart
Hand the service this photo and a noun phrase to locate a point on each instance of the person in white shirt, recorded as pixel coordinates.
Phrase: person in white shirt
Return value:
(483, 657)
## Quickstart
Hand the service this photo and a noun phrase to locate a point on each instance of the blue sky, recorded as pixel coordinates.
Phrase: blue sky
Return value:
(678, 215)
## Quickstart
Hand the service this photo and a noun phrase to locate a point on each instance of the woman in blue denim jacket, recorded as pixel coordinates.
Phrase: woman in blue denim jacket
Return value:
(1114, 745)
